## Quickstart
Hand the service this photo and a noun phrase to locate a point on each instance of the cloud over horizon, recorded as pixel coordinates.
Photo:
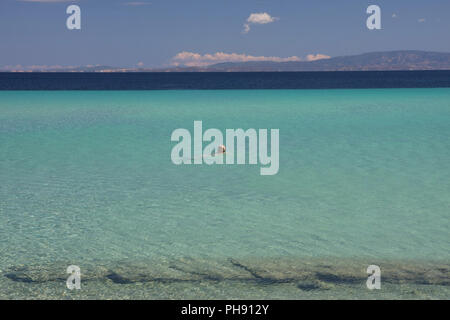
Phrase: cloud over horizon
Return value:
(20, 67)
(192, 59)
(314, 57)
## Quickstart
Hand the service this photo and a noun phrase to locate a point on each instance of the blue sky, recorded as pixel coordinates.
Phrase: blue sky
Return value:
(151, 33)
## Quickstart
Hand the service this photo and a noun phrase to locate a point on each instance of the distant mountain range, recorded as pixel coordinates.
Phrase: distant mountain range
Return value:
(374, 61)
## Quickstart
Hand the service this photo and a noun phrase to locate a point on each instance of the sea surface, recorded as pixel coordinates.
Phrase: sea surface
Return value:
(223, 80)
(86, 179)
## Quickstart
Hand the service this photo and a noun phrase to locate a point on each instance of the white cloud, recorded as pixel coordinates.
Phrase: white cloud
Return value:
(314, 57)
(421, 20)
(394, 15)
(258, 18)
(195, 59)
(192, 59)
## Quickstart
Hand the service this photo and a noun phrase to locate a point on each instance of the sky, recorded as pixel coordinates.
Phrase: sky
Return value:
(162, 33)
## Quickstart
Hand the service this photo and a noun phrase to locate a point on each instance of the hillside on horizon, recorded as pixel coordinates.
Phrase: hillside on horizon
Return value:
(373, 61)
(400, 60)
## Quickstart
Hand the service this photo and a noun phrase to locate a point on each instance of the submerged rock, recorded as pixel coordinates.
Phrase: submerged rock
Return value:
(309, 285)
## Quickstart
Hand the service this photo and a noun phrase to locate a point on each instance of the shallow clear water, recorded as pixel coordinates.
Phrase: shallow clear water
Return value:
(87, 179)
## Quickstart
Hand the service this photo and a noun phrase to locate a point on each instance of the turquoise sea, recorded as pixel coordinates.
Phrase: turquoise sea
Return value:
(86, 179)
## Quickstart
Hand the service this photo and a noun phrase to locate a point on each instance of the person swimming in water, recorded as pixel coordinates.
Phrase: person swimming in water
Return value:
(221, 149)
